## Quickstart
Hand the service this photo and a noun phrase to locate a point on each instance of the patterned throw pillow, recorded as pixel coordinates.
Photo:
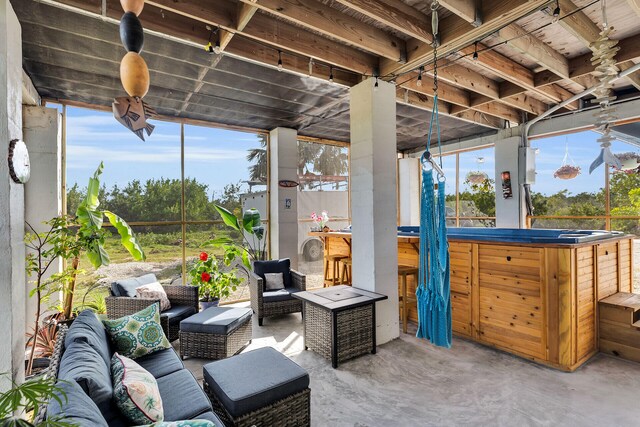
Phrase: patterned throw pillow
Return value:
(186, 423)
(138, 334)
(154, 291)
(135, 392)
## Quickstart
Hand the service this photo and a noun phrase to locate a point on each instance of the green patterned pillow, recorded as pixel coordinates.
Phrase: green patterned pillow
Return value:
(187, 423)
(138, 334)
(135, 392)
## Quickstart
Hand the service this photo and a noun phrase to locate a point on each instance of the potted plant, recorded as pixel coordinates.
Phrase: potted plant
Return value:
(320, 221)
(567, 172)
(213, 283)
(629, 161)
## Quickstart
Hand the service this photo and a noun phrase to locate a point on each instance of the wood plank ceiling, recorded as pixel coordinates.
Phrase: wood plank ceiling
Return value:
(526, 60)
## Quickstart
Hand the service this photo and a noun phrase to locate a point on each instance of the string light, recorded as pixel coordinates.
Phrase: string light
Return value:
(310, 66)
(375, 86)
(556, 12)
(331, 74)
(419, 82)
(280, 60)
(475, 51)
(210, 47)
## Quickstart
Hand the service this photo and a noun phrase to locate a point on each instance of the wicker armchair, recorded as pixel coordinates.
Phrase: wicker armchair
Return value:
(179, 295)
(264, 308)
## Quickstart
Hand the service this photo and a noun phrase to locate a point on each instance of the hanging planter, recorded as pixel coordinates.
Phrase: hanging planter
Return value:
(629, 161)
(477, 177)
(567, 172)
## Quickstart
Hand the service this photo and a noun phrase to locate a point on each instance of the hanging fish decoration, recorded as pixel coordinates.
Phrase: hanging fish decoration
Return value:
(604, 51)
(133, 113)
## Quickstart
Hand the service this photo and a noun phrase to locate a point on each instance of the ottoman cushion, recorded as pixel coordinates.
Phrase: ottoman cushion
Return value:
(272, 377)
(216, 320)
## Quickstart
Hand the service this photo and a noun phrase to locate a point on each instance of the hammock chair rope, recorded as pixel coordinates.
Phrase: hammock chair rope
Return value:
(433, 291)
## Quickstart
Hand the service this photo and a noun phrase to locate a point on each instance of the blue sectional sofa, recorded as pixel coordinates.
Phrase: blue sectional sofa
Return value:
(85, 366)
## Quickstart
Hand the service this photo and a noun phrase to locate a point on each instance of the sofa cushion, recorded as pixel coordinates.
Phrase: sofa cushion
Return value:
(184, 423)
(178, 312)
(138, 334)
(127, 287)
(281, 295)
(182, 397)
(135, 391)
(161, 363)
(154, 291)
(272, 377)
(275, 266)
(216, 320)
(75, 406)
(81, 363)
(211, 416)
(88, 328)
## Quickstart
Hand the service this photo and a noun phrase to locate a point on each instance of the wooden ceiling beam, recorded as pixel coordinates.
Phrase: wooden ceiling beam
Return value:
(465, 9)
(635, 5)
(495, 109)
(633, 78)
(245, 13)
(446, 92)
(577, 22)
(391, 14)
(456, 33)
(537, 50)
(332, 23)
(261, 27)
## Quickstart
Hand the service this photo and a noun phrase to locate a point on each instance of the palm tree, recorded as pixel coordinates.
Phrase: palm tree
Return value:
(258, 170)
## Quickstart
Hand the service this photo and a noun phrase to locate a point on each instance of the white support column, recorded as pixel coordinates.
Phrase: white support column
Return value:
(283, 218)
(43, 193)
(12, 264)
(509, 212)
(409, 189)
(373, 199)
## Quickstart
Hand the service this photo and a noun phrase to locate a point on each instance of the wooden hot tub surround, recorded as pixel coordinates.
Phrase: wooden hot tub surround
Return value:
(535, 300)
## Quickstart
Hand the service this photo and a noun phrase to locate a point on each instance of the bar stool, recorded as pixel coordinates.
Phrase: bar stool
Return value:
(403, 272)
(345, 276)
(333, 260)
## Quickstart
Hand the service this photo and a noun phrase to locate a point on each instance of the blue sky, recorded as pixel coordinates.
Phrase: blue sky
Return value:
(213, 156)
(217, 157)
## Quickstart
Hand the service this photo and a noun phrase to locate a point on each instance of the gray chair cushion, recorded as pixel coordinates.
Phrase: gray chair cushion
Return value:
(275, 266)
(210, 416)
(76, 408)
(81, 363)
(272, 377)
(161, 363)
(179, 312)
(216, 320)
(280, 295)
(182, 397)
(88, 328)
(127, 287)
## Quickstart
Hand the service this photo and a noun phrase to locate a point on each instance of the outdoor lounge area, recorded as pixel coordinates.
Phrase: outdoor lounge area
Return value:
(319, 212)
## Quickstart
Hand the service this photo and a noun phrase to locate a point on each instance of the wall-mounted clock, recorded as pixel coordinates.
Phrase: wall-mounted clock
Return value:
(19, 168)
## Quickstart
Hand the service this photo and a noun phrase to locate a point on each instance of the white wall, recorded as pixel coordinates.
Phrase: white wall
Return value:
(43, 194)
(409, 189)
(509, 212)
(12, 280)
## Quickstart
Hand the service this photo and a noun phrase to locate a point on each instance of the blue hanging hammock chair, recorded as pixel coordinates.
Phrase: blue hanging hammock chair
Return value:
(434, 290)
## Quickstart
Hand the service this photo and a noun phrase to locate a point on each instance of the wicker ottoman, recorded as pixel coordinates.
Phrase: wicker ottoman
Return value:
(215, 333)
(259, 388)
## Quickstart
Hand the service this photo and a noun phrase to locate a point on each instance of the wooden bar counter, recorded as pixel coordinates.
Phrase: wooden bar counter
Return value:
(532, 293)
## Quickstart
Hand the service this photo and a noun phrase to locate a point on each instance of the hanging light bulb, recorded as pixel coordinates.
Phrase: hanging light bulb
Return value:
(331, 74)
(216, 48)
(310, 66)
(375, 86)
(280, 61)
(419, 81)
(406, 96)
(475, 51)
(556, 12)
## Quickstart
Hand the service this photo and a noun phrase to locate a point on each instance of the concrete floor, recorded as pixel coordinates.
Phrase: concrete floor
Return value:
(412, 383)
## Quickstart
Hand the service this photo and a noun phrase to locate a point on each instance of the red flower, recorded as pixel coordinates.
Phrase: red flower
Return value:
(205, 276)
(203, 256)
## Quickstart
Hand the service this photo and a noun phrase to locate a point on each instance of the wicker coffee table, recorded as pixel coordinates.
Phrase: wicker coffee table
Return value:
(340, 322)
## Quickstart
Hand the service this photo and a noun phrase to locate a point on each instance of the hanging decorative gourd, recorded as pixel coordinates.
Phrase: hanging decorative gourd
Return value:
(131, 111)
(568, 170)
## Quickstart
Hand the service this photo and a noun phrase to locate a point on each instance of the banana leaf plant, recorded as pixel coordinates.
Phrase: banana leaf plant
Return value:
(254, 243)
(91, 236)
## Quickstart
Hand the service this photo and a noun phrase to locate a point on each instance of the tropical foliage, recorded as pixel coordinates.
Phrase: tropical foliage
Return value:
(213, 283)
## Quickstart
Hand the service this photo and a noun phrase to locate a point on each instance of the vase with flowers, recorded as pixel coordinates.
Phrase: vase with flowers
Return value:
(320, 221)
(213, 283)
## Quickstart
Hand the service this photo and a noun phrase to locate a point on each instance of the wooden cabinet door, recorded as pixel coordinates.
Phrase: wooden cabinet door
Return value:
(511, 311)
(460, 269)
